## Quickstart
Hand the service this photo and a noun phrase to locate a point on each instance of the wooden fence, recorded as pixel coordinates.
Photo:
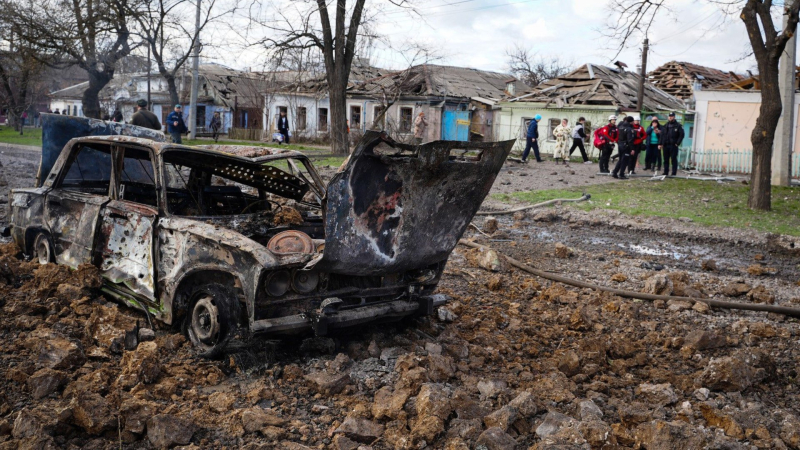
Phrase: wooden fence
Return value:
(245, 134)
(726, 161)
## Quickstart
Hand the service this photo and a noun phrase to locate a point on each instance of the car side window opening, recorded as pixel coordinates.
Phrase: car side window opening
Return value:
(203, 185)
(137, 178)
(89, 170)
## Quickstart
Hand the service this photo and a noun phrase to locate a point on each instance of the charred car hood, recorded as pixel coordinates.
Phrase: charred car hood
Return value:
(406, 208)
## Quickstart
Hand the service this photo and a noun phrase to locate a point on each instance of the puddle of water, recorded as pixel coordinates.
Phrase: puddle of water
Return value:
(644, 250)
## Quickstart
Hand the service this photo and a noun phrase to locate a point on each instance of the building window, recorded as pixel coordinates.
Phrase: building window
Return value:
(551, 127)
(301, 118)
(355, 117)
(406, 119)
(322, 119)
(376, 111)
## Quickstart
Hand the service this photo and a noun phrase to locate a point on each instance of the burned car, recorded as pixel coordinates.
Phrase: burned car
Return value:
(228, 241)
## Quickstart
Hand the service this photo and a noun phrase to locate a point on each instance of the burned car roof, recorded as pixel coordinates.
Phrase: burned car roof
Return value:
(246, 152)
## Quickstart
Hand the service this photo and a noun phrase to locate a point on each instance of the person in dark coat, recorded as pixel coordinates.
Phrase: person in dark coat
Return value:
(627, 137)
(175, 124)
(117, 117)
(144, 118)
(216, 124)
(652, 159)
(638, 145)
(578, 136)
(671, 140)
(283, 127)
(532, 140)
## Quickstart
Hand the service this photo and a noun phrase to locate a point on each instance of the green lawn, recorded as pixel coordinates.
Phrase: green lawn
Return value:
(301, 148)
(705, 202)
(31, 136)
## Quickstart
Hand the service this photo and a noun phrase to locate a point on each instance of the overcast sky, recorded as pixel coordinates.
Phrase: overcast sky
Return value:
(477, 33)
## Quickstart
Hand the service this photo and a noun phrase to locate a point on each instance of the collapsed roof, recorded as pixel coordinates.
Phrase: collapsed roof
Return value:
(592, 84)
(752, 83)
(677, 78)
(440, 81)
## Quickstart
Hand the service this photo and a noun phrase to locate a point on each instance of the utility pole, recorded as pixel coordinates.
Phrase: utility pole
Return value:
(784, 138)
(642, 76)
(195, 68)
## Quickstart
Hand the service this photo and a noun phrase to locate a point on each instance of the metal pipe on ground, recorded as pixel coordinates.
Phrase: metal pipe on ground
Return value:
(783, 310)
(582, 198)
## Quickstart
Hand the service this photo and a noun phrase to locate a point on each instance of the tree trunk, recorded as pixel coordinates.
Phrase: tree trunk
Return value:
(91, 100)
(172, 87)
(762, 139)
(340, 140)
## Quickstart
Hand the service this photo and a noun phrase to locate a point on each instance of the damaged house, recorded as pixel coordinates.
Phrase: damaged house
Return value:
(459, 103)
(590, 91)
(236, 95)
(680, 79)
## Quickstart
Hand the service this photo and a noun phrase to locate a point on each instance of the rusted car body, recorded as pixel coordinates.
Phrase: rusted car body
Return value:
(228, 241)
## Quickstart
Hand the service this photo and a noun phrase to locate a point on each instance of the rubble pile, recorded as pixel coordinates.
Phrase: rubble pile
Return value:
(511, 363)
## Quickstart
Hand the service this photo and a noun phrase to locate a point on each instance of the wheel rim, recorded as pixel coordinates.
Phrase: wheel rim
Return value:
(205, 321)
(43, 251)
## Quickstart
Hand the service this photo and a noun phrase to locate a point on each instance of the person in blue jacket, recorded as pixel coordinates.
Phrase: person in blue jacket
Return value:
(175, 125)
(532, 140)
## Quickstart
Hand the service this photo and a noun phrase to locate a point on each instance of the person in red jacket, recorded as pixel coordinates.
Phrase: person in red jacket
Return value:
(638, 144)
(609, 135)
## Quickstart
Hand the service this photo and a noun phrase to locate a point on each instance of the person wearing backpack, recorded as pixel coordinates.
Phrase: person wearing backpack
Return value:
(531, 140)
(578, 136)
(604, 139)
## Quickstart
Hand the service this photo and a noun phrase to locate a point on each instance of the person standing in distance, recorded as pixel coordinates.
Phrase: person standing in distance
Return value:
(627, 137)
(216, 124)
(653, 157)
(671, 140)
(609, 135)
(420, 127)
(283, 126)
(638, 145)
(144, 118)
(578, 136)
(175, 124)
(531, 140)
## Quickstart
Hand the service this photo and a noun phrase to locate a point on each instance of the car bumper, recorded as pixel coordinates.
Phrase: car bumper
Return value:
(324, 320)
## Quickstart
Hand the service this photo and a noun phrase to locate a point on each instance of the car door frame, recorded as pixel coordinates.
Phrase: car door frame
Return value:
(73, 237)
(127, 242)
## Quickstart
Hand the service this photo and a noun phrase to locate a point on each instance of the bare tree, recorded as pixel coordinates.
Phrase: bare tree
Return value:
(162, 26)
(533, 68)
(767, 43)
(21, 80)
(91, 34)
(334, 28)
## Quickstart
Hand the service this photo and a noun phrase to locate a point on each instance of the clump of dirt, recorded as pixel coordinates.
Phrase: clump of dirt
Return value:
(288, 216)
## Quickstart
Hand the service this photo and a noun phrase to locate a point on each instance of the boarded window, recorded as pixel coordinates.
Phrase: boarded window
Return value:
(587, 128)
(551, 127)
(355, 117)
(322, 119)
(406, 119)
(301, 118)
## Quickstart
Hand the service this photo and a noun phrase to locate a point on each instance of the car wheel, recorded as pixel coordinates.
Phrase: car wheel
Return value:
(209, 321)
(42, 249)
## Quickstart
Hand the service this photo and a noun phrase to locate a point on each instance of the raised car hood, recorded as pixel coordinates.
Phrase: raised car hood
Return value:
(393, 211)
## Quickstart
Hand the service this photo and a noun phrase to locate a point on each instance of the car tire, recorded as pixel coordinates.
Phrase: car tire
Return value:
(42, 250)
(210, 322)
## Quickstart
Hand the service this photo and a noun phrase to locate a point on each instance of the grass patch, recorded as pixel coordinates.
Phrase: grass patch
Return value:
(31, 136)
(705, 202)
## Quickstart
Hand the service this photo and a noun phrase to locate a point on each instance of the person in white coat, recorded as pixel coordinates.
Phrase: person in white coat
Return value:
(562, 134)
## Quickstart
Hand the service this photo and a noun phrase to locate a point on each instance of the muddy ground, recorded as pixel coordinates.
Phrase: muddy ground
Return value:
(512, 362)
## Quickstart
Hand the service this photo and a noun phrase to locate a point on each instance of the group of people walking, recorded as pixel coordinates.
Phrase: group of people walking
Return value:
(630, 137)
